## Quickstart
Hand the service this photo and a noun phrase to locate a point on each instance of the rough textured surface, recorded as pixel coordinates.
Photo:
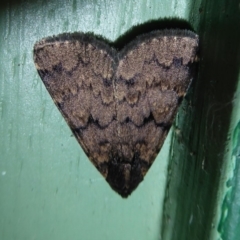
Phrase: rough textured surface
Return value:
(119, 105)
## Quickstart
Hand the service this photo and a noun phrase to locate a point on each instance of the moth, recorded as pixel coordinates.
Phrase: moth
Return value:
(118, 104)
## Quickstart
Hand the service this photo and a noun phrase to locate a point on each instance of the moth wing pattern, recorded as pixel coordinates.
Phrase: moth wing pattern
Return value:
(119, 105)
(151, 79)
(78, 74)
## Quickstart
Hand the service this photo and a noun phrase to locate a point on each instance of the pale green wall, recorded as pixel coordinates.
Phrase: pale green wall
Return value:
(48, 188)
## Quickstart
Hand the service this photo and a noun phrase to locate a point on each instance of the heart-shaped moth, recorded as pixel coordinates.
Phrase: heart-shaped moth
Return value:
(119, 104)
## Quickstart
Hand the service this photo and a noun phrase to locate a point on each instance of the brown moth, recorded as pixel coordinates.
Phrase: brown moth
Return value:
(119, 104)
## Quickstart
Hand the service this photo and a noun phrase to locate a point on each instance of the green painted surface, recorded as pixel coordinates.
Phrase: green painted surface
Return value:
(229, 224)
(201, 152)
(48, 188)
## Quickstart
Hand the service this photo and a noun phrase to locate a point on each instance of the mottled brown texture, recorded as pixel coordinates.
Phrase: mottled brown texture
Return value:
(119, 105)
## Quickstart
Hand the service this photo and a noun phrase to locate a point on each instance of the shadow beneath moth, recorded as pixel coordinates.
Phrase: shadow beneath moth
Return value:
(119, 104)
